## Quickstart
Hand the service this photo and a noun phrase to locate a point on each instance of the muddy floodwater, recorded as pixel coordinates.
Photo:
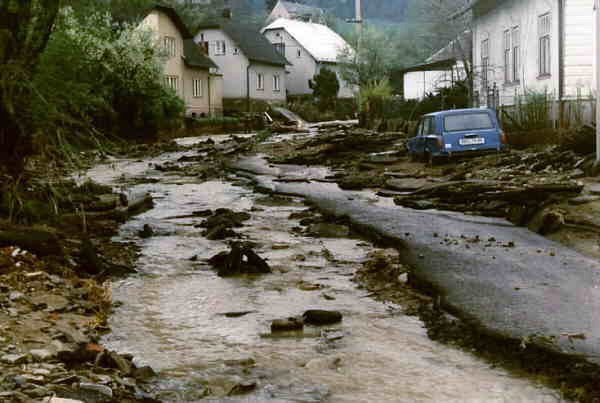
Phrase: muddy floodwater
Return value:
(205, 334)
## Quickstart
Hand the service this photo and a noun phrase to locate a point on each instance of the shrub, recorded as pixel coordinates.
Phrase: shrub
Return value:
(326, 87)
(97, 77)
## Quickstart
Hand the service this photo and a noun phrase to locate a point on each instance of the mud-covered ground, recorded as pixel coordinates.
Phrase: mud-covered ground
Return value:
(57, 261)
(544, 188)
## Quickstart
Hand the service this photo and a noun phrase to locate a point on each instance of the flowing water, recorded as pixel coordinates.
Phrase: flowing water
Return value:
(173, 318)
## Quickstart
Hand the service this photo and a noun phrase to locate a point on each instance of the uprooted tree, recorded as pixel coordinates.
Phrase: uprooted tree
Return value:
(25, 28)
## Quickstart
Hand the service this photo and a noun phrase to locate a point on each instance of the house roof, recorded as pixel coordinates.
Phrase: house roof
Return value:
(459, 49)
(320, 41)
(192, 54)
(194, 57)
(438, 65)
(251, 42)
(300, 9)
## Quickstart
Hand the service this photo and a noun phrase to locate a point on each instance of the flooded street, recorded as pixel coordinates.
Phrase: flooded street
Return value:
(208, 335)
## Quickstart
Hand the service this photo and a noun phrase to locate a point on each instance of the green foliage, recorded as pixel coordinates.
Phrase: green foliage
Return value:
(99, 77)
(326, 87)
(309, 110)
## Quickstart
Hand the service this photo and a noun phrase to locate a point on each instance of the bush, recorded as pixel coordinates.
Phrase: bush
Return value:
(326, 87)
(97, 77)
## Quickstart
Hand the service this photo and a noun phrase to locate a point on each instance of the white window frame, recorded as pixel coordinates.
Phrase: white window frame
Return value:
(220, 48)
(172, 82)
(170, 44)
(197, 88)
(516, 54)
(260, 81)
(276, 83)
(506, 56)
(485, 63)
(544, 45)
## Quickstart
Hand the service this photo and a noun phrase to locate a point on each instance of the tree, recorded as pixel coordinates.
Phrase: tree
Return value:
(326, 87)
(25, 27)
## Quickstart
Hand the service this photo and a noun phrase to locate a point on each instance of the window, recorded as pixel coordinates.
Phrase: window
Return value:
(170, 46)
(299, 53)
(197, 88)
(260, 82)
(516, 55)
(172, 82)
(485, 62)
(468, 121)
(507, 70)
(276, 83)
(280, 47)
(220, 48)
(544, 29)
(428, 126)
(236, 51)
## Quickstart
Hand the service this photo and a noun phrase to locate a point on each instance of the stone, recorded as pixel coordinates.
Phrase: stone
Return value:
(16, 296)
(321, 317)
(42, 354)
(240, 260)
(326, 230)
(146, 232)
(55, 399)
(144, 373)
(49, 302)
(286, 325)
(14, 359)
(242, 388)
(94, 387)
(121, 363)
(547, 222)
(594, 189)
(577, 201)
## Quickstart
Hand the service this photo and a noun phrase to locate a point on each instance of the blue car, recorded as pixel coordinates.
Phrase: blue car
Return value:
(459, 132)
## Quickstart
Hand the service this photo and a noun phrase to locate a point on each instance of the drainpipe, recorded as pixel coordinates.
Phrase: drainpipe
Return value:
(209, 96)
(248, 86)
(597, 8)
(561, 60)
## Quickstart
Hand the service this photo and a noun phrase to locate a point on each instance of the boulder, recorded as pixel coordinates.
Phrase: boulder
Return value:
(146, 232)
(240, 260)
(287, 325)
(320, 317)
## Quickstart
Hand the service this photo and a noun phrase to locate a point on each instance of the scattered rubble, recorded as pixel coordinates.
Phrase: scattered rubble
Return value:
(240, 260)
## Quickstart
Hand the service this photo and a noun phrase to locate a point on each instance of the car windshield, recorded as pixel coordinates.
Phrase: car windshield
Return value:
(468, 121)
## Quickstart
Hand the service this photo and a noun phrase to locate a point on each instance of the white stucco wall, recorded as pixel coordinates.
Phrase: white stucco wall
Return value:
(522, 13)
(303, 66)
(233, 67)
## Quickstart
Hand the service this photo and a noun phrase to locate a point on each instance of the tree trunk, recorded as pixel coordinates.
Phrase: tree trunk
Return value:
(25, 26)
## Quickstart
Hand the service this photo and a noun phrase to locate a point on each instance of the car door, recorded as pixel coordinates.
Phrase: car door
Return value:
(427, 129)
(414, 144)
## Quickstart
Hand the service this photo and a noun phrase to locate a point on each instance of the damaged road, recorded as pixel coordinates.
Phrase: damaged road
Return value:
(504, 279)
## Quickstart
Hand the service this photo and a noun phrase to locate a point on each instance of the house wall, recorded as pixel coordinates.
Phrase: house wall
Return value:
(303, 65)
(161, 25)
(579, 77)
(418, 84)
(491, 25)
(233, 67)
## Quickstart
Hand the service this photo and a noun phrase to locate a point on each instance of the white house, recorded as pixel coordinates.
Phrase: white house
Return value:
(522, 46)
(188, 71)
(308, 47)
(441, 70)
(292, 10)
(252, 69)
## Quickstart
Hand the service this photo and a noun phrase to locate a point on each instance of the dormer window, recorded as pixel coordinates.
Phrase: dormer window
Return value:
(220, 48)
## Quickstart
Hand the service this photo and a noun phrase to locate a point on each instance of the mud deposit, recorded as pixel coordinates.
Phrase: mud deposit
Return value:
(209, 337)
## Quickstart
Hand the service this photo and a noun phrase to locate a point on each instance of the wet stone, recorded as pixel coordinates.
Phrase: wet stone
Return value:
(146, 232)
(144, 373)
(42, 354)
(320, 317)
(286, 325)
(14, 359)
(99, 389)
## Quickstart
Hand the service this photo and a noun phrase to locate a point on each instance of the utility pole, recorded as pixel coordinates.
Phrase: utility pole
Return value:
(597, 60)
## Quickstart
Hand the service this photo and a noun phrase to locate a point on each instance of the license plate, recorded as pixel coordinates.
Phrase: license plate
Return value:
(471, 141)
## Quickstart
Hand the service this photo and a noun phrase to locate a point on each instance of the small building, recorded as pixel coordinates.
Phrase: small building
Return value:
(309, 47)
(441, 70)
(535, 46)
(188, 71)
(295, 11)
(251, 66)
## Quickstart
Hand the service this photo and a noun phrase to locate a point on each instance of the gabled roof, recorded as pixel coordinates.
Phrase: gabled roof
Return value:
(300, 9)
(194, 57)
(192, 54)
(460, 48)
(251, 42)
(319, 40)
